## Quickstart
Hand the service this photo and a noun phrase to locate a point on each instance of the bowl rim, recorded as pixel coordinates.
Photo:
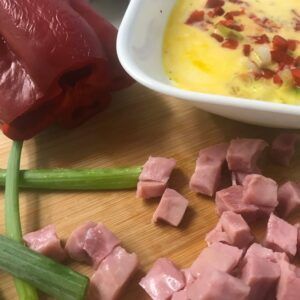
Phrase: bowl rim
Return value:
(135, 72)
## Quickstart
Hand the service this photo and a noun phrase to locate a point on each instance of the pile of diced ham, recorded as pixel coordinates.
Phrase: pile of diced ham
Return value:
(93, 244)
(234, 266)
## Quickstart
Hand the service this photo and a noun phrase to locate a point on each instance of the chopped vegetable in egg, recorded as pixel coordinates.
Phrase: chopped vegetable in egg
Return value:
(242, 48)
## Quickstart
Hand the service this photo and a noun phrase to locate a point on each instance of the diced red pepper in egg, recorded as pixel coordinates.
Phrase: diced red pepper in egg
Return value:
(195, 17)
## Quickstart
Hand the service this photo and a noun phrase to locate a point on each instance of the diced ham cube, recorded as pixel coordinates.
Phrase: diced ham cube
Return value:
(99, 243)
(289, 283)
(150, 189)
(217, 235)
(75, 242)
(207, 176)
(260, 191)
(238, 177)
(283, 148)
(237, 229)
(242, 154)
(261, 275)
(297, 225)
(189, 278)
(288, 198)
(230, 199)
(112, 275)
(181, 295)
(157, 169)
(163, 280)
(219, 256)
(258, 250)
(281, 236)
(46, 242)
(213, 284)
(171, 208)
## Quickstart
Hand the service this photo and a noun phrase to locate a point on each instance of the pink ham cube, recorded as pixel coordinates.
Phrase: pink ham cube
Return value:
(157, 169)
(288, 198)
(219, 256)
(189, 278)
(281, 236)
(261, 275)
(283, 148)
(181, 295)
(75, 242)
(90, 243)
(163, 280)
(217, 235)
(289, 283)
(236, 229)
(242, 154)
(238, 177)
(171, 208)
(46, 242)
(260, 191)
(213, 284)
(112, 275)
(258, 250)
(99, 242)
(207, 175)
(150, 189)
(230, 199)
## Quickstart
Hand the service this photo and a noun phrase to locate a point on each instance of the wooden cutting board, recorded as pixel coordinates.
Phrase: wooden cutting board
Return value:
(138, 123)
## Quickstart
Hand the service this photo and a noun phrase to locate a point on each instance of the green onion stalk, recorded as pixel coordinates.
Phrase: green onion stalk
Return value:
(77, 179)
(12, 214)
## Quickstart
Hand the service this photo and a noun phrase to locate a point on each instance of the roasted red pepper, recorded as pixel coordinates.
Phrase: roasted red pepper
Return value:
(58, 64)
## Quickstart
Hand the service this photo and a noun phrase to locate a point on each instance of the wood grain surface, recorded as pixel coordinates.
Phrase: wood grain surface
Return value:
(138, 123)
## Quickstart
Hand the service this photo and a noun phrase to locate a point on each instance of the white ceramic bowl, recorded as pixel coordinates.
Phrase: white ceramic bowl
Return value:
(139, 48)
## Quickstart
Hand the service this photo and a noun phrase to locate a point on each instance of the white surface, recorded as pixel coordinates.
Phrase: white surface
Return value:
(139, 48)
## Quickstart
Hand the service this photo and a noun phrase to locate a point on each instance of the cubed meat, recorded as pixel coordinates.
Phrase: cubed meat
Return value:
(171, 208)
(99, 243)
(260, 191)
(230, 199)
(46, 242)
(217, 235)
(219, 256)
(258, 250)
(150, 189)
(207, 176)
(297, 225)
(237, 178)
(163, 280)
(261, 275)
(157, 169)
(237, 229)
(181, 295)
(289, 283)
(112, 275)
(288, 198)
(213, 284)
(75, 242)
(283, 148)
(189, 278)
(242, 154)
(281, 236)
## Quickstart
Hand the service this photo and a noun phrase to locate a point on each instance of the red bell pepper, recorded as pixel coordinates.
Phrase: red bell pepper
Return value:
(58, 64)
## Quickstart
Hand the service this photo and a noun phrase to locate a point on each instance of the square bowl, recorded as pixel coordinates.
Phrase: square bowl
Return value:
(139, 47)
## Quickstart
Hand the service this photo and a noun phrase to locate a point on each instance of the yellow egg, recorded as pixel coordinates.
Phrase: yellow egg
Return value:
(195, 61)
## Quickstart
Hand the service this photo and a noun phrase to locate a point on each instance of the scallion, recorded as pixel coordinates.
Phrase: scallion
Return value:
(41, 272)
(77, 179)
(12, 215)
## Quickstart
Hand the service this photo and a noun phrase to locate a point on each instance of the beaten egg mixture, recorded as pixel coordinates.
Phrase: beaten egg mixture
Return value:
(196, 61)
